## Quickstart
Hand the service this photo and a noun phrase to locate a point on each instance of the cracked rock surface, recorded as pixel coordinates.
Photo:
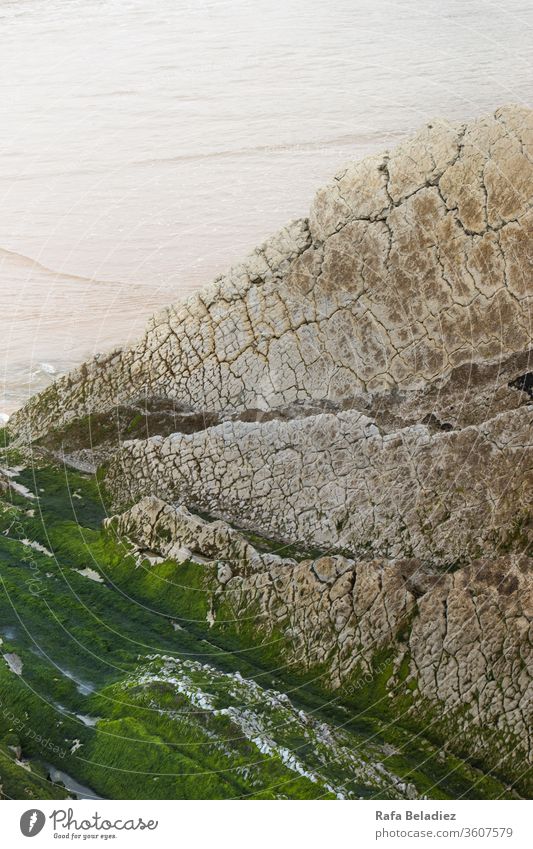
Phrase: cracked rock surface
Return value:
(362, 384)
(464, 636)
(336, 481)
(410, 264)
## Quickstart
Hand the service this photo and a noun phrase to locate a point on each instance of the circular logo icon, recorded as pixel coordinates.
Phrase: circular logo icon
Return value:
(32, 822)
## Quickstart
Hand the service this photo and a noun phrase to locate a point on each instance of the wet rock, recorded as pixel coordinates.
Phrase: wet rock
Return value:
(359, 385)
(14, 662)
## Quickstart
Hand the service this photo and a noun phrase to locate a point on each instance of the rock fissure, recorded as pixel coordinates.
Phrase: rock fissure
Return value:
(359, 388)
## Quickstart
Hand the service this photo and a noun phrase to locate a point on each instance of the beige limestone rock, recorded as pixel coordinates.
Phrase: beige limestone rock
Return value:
(410, 264)
(466, 635)
(365, 383)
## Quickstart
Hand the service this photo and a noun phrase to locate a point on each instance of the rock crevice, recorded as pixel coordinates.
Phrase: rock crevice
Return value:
(462, 639)
(360, 385)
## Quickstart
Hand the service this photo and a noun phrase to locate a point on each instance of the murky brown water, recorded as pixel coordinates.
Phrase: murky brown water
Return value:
(147, 144)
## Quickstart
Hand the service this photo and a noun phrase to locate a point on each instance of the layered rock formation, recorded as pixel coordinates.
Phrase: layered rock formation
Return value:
(362, 385)
(461, 639)
(410, 264)
(337, 482)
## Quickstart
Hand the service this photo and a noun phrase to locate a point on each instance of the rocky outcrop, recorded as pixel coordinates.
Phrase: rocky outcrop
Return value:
(410, 264)
(363, 385)
(337, 482)
(463, 639)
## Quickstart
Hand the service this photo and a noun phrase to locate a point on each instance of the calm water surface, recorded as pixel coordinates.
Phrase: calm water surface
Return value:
(147, 144)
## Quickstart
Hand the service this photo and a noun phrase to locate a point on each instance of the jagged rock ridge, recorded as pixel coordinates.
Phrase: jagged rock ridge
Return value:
(362, 384)
(410, 264)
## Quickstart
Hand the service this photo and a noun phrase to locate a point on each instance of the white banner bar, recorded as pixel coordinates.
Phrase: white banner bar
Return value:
(265, 825)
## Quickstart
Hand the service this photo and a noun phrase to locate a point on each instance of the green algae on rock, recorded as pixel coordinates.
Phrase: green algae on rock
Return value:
(324, 462)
